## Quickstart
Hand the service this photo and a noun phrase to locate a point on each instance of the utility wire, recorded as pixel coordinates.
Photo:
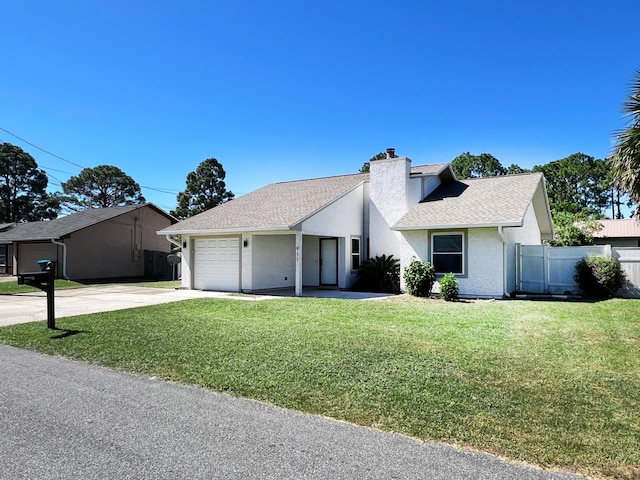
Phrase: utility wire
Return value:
(41, 149)
(168, 192)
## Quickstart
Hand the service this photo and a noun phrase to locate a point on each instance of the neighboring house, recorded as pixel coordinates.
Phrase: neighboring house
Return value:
(5, 249)
(315, 233)
(618, 233)
(94, 243)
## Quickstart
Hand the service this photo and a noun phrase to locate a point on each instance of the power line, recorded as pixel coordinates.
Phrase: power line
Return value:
(41, 149)
(160, 190)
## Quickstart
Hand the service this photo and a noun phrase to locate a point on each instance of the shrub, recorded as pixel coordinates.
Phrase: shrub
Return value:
(419, 277)
(449, 287)
(379, 274)
(599, 277)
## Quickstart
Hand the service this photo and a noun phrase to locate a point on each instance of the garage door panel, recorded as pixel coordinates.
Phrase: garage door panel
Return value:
(217, 264)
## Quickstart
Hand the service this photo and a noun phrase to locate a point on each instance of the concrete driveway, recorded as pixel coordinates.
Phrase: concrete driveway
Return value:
(31, 307)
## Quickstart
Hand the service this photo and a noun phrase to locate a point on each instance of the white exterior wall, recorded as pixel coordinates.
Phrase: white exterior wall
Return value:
(187, 262)
(389, 194)
(274, 261)
(484, 264)
(342, 219)
(414, 245)
(246, 261)
(528, 234)
(310, 261)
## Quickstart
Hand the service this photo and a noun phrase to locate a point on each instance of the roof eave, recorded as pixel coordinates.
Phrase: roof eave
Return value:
(453, 226)
(218, 231)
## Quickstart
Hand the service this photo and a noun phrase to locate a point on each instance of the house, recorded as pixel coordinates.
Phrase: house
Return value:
(315, 233)
(5, 250)
(94, 243)
(618, 233)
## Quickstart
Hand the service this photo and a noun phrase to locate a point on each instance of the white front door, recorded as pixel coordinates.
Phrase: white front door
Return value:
(217, 264)
(328, 261)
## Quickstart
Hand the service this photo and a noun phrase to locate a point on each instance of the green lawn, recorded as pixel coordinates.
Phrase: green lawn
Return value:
(11, 287)
(555, 384)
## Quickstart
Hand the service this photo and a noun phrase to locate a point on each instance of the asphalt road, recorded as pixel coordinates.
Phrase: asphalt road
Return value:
(61, 419)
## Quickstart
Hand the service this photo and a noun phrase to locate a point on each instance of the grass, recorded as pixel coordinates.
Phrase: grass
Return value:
(12, 287)
(548, 383)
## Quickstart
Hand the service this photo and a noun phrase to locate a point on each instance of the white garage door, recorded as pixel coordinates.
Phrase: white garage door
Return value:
(217, 264)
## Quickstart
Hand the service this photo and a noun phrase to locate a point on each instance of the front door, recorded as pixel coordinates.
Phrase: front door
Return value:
(328, 261)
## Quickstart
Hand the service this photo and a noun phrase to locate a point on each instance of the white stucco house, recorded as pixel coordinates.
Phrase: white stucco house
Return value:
(314, 233)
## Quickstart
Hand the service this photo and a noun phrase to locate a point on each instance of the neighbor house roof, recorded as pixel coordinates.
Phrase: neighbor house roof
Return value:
(491, 201)
(63, 226)
(622, 228)
(278, 206)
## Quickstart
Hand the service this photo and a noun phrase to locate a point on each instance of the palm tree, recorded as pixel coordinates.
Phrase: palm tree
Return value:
(625, 160)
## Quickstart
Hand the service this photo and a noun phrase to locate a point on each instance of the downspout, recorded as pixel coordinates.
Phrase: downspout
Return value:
(504, 262)
(64, 257)
(172, 241)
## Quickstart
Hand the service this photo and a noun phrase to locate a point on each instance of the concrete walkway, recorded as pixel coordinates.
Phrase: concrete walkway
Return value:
(61, 419)
(31, 307)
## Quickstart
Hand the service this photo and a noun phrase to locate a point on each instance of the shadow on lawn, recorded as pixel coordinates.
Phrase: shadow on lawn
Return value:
(67, 333)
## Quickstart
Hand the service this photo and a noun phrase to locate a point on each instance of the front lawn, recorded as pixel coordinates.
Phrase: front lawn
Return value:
(12, 287)
(550, 383)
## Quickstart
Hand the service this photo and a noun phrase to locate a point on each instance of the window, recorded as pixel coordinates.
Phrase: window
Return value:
(447, 252)
(355, 253)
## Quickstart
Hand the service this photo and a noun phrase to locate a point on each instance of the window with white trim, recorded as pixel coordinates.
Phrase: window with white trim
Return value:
(355, 253)
(447, 252)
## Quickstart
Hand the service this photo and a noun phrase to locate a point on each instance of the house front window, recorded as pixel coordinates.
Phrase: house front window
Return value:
(447, 252)
(355, 253)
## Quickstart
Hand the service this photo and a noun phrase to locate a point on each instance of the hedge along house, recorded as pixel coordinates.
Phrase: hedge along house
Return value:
(94, 243)
(314, 233)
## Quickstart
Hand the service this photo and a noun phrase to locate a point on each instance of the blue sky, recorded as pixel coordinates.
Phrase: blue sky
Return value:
(283, 90)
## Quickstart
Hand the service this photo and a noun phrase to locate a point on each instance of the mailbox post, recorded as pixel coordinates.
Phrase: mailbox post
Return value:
(45, 281)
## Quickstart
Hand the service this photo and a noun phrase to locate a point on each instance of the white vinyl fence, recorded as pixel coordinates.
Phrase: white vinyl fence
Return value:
(542, 269)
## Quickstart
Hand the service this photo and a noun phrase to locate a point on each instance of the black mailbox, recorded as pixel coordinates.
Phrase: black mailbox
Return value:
(33, 278)
(45, 281)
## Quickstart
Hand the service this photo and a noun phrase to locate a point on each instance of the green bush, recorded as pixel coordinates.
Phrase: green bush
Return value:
(379, 274)
(599, 277)
(449, 287)
(419, 277)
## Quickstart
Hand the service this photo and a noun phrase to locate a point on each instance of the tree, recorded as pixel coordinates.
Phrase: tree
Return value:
(205, 189)
(466, 165)
(367, 165)
(573, 229)
(23, 196)
(514, 169)
(625, 160)
(577, 184)
(100, 187)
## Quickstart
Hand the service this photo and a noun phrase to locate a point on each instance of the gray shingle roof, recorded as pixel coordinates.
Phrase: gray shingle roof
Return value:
(491, 201)
(60, 227)
(278, 206)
